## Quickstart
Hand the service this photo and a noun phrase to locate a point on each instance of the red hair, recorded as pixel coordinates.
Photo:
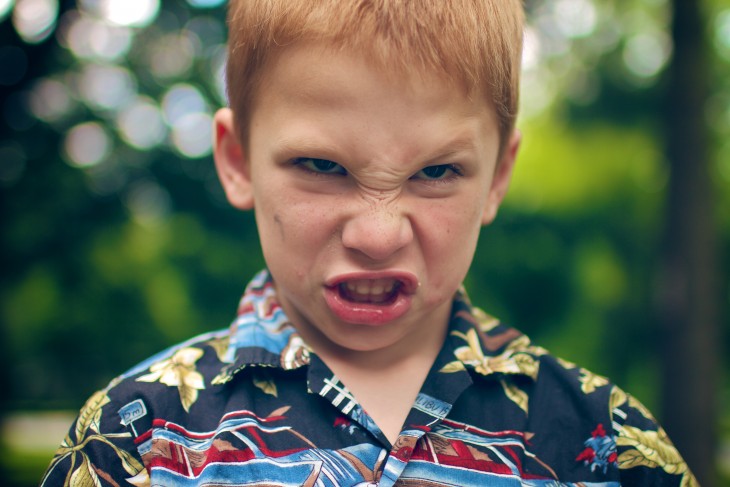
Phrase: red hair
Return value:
(475, 42)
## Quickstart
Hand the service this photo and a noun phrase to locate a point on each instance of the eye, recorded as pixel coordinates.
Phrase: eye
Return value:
(438, 172)
(319, 166)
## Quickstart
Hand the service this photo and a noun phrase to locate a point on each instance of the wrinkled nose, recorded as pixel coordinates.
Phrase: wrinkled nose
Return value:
(379, 232)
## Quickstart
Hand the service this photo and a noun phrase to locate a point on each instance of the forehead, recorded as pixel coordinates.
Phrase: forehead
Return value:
(320, 76)
(339, 105)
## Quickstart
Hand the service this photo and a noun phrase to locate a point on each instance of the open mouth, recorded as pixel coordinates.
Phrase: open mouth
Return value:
(370, 291)
(371, 299)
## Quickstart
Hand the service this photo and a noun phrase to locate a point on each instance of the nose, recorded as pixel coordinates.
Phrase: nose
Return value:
(378, 231)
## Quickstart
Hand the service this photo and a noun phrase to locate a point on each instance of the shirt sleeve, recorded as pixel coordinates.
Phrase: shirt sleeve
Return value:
(98, 450)
(646, 455)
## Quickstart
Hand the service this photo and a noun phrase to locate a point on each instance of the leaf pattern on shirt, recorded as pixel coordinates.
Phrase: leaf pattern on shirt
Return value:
(617, 398)
(268, 386)
(511, 361)
(452, 367)
(652, 449)
(277, 411)
(221, 346)
(90, 415)
(82, 472)
(179, 371)
(516, 395)
(588, 380)
(485, 321)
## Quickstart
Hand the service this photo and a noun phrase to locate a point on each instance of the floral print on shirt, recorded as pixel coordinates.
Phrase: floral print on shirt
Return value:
(252, 405)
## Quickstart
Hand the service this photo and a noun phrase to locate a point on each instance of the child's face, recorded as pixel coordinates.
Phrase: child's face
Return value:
(369, 193)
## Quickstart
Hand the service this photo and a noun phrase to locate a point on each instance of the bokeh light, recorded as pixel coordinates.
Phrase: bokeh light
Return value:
(50, 100)
(132, 13)
(87, 145)
(575, 18)
(5, 7)
(192, 134)
(722, 34)
(91, 38)
(187, 113)
(106, 87)
(646, 54)
(140, 124)
(171, 56)
(181, 100)
(206, 3)
(35, 20)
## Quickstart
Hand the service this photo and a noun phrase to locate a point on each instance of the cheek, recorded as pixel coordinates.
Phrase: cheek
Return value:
(449, 236)
(452, 225)
(296, 223)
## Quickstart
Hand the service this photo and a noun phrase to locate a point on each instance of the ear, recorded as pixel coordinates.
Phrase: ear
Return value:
(231, 163)
(502, 177)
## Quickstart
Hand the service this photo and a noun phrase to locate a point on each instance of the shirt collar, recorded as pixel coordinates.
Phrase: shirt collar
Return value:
(480, 342)
(262, 335)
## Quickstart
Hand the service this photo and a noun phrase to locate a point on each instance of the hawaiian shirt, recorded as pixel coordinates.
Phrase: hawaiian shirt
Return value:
(252, 405)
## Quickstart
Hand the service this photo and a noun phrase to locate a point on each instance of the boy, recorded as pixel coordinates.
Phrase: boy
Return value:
(372, 139)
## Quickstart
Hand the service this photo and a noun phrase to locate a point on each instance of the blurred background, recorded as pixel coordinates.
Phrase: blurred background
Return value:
(116, 240)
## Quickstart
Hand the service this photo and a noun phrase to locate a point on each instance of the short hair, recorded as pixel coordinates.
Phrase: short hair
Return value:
(477, 43)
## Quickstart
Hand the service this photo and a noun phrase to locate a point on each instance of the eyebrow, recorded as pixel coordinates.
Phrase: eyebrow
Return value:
(302, 145)
(455, 146)
(299, 145)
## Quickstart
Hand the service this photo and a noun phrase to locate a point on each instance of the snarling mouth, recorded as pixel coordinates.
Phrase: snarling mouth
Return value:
(371, 298)
(371, 291)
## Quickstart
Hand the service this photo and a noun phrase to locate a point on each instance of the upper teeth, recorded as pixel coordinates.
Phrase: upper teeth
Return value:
(371, 286)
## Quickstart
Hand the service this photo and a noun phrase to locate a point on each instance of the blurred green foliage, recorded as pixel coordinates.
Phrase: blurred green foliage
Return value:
(109, 261)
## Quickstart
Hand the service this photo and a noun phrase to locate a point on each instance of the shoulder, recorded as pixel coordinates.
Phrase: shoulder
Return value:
(617, 430)
(569, 409)
(626, 435)
(645, 454)
(104, 441)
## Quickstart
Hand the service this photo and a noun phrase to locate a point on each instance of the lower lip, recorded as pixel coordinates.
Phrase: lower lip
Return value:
(365, 313)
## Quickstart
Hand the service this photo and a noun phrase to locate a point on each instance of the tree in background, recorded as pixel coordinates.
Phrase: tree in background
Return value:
(689, 305)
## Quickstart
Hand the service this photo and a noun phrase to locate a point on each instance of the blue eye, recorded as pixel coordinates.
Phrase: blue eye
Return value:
(320, 166)
(437, 172)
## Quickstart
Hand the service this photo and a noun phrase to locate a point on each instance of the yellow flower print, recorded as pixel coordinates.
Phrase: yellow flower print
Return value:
(486, 322)
(509, 362)
(652, 449)
(588, 380)
(221, 346)
(179, 371)
(619, 398)
(516, 395)
(268, 386)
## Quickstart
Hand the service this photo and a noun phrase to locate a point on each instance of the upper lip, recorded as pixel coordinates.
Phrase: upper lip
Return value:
(408, 281)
